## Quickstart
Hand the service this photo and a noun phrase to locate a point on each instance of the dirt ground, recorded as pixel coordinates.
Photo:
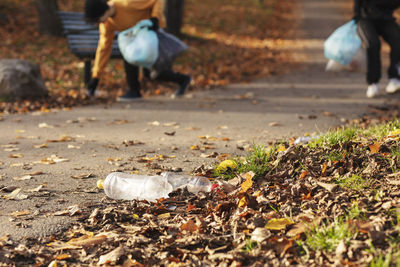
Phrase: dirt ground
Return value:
(56, 157)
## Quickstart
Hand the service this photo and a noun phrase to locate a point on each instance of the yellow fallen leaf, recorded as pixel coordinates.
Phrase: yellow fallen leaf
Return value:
(281, 148)
(395, 132)
(226, 165)
(278, 224)
(195, 147)
(246, 185)
(243, 202)
(113, 160)
(100, 184)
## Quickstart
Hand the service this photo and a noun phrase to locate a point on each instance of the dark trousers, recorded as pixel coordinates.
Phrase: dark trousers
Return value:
(132, 77)
(369, 31)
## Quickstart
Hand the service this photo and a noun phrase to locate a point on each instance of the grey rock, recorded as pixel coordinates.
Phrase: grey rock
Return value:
(21, 79)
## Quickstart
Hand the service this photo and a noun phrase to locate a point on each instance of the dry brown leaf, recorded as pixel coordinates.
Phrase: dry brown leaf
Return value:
(281, 245)
(35, 173)
(89, 241)
(25, 177)
(195, 147)
(303, 174)
(274, 124)
(16, 195)
(63, 257)
(164, 216)
(15, 156)
(324, 167)
(112, 257)
(83, 176)
(71, 211)
(260, 234)
(190, 207)
(374, 148)
(40, 146)
(170, 133)
(190, 226)
(297, 229)
(20, 213)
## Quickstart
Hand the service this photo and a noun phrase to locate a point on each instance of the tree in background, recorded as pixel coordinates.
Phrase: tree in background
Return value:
(174, 10)
(49, 22)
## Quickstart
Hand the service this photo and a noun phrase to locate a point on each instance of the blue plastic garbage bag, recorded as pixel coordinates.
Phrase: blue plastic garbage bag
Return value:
(342, 45)
(139, 45)
(169, 47)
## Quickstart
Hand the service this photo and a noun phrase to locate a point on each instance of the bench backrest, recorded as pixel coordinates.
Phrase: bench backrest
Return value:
(83, 37)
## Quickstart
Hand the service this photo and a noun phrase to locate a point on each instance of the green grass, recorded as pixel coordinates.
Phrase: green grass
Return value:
(378, 132)
(259, 162)
(389, 259)
(355, 212)
(381, 261)
(335, 155)
(336, 137)
(354, 182)
(395, 152)
(249, 246)
(326, 237)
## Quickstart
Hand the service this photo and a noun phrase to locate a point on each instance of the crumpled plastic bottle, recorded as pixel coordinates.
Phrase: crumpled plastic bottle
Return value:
(119, 185)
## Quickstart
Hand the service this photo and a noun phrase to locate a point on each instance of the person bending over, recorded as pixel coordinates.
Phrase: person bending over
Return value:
(119, 15)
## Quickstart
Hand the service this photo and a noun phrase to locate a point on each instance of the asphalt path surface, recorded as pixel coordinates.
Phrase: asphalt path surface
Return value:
(57, 157)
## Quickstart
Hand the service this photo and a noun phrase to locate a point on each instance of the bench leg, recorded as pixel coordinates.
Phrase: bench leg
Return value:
(87, 71)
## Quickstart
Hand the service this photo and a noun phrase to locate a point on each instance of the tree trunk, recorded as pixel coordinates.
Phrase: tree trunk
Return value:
(174, 15)
(3, 18)
(49, 22)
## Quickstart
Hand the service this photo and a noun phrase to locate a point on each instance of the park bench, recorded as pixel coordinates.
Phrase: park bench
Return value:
(82, 39)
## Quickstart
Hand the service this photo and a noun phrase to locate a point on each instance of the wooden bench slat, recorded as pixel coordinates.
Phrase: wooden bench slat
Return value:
(82, 39)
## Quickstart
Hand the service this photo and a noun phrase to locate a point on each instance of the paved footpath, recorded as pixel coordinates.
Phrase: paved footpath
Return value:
(97, 140)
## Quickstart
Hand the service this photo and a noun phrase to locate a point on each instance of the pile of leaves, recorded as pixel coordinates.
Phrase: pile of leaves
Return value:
(332, 201)
(231, 42)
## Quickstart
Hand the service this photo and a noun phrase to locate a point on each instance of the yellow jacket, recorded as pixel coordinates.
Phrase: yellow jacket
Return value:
(127, 14)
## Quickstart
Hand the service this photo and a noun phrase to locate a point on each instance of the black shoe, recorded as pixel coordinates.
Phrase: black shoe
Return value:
(129, 96)
(183, 86)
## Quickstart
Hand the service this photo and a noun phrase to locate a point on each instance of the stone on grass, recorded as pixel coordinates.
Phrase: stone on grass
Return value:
(20, 79)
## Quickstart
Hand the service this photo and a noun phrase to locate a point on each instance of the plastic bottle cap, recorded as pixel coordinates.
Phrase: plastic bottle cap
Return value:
(100, 184)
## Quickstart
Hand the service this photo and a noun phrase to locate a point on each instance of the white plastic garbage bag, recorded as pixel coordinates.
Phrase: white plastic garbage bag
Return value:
(139, 45)
(342, 45)
(359, 63)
